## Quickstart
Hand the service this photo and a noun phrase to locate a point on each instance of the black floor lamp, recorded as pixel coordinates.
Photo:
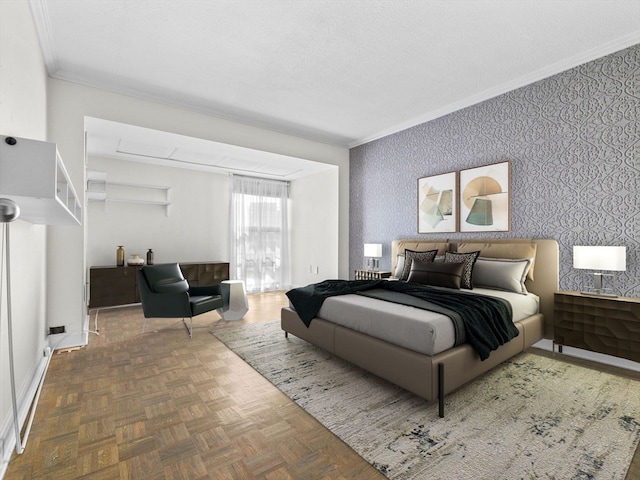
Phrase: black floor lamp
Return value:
(9, 211)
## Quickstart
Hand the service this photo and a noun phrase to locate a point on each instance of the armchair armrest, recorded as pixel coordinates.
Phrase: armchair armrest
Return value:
(205, 290)
(166, 305)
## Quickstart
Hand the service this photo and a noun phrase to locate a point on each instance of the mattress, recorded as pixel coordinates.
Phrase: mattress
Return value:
(419, 330)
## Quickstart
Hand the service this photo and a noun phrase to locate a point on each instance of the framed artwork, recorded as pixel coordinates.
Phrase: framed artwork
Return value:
(485, 198)
(438, 203)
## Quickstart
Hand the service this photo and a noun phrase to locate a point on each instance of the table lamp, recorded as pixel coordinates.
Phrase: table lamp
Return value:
(372, 252)
(599, 259)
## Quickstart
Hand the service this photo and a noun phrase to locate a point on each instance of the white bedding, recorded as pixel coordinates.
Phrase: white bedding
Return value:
(409, 327)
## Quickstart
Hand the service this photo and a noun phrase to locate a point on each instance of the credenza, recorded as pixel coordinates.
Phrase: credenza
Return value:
(111, 286)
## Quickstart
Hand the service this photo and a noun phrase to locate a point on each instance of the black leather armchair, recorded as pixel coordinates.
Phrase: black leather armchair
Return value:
(165, 293)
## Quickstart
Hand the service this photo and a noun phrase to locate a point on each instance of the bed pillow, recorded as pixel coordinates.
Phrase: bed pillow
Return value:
(447, 275)
(501, 274)
(516, 250)
(399, 266)
(468, 259)
(411, 255)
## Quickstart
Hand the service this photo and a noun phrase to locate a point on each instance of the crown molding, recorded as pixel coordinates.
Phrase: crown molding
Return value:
(40, 14)
(540, 74)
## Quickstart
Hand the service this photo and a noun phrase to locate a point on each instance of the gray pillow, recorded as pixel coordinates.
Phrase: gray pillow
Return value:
(411, 255)
(447, 275)
(468, 259)
(501, 274)
(399, 265)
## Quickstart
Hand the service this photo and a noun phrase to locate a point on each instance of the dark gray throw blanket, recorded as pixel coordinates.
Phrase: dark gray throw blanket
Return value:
(487, 320)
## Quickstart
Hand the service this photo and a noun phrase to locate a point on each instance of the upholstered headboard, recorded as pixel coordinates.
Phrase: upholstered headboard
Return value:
(544, 275)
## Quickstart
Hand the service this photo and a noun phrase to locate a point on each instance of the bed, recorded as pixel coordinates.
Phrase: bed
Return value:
(439, 368)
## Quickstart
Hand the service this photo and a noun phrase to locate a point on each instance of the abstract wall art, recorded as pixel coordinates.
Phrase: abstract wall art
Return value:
(485, 198)
(437, 203)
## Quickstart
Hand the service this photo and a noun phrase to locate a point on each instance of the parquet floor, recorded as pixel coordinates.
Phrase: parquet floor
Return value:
(160, 406)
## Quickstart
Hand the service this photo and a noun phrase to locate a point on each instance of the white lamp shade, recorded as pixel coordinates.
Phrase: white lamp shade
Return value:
(373, 250)
(600, 258)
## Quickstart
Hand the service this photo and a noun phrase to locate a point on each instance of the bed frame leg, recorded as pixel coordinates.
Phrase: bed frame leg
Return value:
(441, 390)
(286, 334)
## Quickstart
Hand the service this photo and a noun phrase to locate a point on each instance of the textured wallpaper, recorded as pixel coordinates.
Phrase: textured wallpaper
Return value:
(574, 144)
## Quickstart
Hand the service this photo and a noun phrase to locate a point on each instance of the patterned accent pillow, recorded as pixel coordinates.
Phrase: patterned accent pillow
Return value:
(411, 255)
(469, 259)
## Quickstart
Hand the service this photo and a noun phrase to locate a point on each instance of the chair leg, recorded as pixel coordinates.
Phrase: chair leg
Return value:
(144, 324)
(189, 327)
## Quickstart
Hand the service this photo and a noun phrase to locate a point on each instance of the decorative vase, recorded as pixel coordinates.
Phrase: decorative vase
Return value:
(135, 260)
(150, 257)
(120, 256)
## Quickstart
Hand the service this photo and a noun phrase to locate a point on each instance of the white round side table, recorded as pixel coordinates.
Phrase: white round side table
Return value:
(234, 297)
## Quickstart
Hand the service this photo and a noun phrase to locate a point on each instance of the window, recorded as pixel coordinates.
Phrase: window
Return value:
(259, 233)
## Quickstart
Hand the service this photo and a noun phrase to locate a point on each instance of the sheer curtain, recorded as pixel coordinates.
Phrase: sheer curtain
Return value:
(259, 233)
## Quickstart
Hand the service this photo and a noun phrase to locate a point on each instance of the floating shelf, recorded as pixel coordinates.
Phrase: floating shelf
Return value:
(33, 175)
(98, 191)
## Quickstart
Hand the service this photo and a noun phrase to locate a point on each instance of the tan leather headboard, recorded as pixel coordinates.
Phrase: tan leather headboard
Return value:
(519, 248)
(399, 246)
(544, 281)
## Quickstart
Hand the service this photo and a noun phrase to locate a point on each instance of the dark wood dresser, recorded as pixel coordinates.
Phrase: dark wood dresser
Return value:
(111, 286)
(609, 325)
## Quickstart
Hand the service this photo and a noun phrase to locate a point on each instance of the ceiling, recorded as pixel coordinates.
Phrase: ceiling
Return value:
(117, 141)
(342, 72)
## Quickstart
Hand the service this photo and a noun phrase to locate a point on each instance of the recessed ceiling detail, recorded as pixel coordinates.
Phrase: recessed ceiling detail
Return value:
(118, 141)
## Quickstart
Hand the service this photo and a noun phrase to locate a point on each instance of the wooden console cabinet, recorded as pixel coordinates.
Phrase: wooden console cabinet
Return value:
(111, 286)
(609, 325)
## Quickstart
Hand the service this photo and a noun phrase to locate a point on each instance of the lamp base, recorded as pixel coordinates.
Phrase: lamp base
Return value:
(598, 288)
(373, 264)
(594, 294)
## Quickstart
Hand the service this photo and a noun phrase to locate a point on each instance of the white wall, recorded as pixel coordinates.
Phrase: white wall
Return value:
(195, 230)
(197, 226)
(22, 114)
(69, 103)
(314, 231)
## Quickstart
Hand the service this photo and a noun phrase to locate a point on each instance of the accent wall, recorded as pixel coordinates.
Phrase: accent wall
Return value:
(573, 140)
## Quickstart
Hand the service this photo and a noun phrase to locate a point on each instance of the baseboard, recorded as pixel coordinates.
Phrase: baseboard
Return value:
(24, 400)
(547, 344)
(26, 396)
(68, 340)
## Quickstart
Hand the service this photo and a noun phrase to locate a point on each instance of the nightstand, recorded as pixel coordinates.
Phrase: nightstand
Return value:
(371, 275)
(609, 325)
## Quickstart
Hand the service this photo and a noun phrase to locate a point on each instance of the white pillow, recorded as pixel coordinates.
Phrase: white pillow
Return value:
(399, 265)
(501, 274)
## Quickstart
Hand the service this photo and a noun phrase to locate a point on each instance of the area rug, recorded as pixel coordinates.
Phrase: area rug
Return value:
(531, 417)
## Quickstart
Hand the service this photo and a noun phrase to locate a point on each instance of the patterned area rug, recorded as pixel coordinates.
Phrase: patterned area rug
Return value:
(532, 417)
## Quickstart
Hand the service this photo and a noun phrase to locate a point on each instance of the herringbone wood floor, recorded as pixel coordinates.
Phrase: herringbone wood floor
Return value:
(161, 406)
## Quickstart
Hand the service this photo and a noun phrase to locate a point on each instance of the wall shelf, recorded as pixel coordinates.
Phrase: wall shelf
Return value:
(33, 175)
(99, 189)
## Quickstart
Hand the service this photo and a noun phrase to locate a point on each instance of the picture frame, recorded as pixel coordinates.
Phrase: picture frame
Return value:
(485, 198)
(438, 203)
